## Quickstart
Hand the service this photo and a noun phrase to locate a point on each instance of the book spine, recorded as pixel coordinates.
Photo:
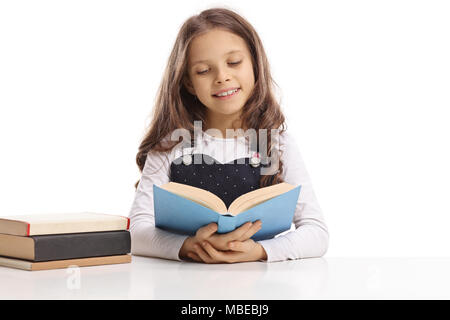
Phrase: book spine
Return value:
(81, 245)
(226, 224)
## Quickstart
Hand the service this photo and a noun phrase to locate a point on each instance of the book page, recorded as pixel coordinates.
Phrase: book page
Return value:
(198, 195)
(63, 222)
(253, 198)
(43, 218)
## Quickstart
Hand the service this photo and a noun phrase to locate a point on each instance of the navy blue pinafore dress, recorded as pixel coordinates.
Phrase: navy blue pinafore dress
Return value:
(226, 180)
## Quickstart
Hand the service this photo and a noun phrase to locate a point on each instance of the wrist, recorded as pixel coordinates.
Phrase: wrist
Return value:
(185, 248)
(262, 255)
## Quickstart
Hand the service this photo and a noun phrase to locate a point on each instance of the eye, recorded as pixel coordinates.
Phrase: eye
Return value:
(230, 63)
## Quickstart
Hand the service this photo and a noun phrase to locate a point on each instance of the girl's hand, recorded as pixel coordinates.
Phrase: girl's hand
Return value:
(219, 241)
(242, 251)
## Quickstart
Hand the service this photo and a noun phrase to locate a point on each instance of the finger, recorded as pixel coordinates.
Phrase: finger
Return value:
(241, 246)
(256, 226)
(220, 241)
(206, 231)
(202, 254)
(237, 234)
(217, 256)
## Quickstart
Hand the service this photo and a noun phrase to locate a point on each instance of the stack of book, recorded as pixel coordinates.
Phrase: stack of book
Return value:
(51, 241)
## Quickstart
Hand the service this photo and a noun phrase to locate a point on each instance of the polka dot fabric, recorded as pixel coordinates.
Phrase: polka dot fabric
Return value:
(228, 181)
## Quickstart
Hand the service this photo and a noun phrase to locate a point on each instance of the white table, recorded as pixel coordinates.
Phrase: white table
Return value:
(322, 278)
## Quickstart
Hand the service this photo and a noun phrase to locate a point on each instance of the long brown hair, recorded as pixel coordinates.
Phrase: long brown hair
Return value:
(176, 108)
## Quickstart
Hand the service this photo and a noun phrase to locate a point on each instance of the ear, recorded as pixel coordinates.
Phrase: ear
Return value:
(188, 85)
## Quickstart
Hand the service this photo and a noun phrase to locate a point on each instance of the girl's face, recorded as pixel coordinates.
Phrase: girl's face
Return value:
(220, 61)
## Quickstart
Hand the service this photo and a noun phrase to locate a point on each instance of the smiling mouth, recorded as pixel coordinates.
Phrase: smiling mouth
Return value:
(227, 95)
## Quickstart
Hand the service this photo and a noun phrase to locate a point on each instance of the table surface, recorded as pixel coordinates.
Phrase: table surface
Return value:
(318, 278)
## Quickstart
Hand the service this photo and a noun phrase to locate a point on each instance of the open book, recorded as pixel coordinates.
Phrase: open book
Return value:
(184, 209)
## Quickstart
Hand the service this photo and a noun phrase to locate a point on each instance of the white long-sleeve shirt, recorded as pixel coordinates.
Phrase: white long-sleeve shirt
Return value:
(308, 239)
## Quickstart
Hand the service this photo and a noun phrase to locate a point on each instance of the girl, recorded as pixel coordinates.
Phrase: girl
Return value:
(218, 74)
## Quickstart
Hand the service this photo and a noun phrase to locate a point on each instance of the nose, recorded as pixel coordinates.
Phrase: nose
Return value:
(222, 76)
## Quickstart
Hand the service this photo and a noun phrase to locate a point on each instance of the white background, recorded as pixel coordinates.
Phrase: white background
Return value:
(365, 86)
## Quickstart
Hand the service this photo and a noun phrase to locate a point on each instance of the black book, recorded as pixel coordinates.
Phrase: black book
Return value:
(65, 246)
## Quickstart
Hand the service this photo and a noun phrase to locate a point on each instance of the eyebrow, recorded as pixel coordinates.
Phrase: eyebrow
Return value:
(201, 61)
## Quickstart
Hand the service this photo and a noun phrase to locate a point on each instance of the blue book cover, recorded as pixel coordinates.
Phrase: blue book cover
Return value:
(177, 214)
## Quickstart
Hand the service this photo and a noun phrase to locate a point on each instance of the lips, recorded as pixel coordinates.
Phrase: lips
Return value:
(225, 90)
(226, 96)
